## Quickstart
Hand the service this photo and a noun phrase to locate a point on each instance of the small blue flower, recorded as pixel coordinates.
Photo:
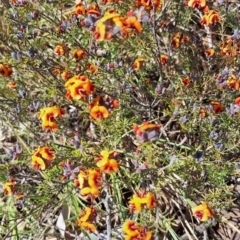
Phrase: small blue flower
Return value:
(183, 119)
(199, 155)
(218, 146)
(213, 135)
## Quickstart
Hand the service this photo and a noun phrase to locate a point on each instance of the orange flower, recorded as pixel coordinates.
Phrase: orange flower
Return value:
(94, 178)
(42, 158)
(12, 85)
(136, 203)
(131, 228)
(107, 154)
(51, 113)
(233, 82)
(48, 115)
(111, 1)
(99, 112)
(111, 166)
(78, 87)
(146, 235)
(186, 81)
(45, 152)
(90, 191)
(87, 218)
(209, 52)
(150, 201)
(229, 48)
(148, 5)
(200, 4)
(93, 9)
(92, 68)
(184, 39)
(79, 9)
(89, 183)
(202, 212)
(86, 214)
(176, 40)
(79, 54)
(105, 25)
(66, 75)
(9, 187)
(61, 49)
(80, 181)
(138, 63)
(210, 18)
(38, 163)
(237, 100)
(216, 107)
(6, 70)
(56, 71)
(203, 113)
(164, 59)
(145, 126)
(108, 165)
(87, 226)
(141, 198)
(105, 101)
(132, 22)
(147, 132)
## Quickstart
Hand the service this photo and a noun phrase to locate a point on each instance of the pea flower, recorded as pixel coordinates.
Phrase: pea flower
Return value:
(61, 50)
(200, 4)
(141, 199)
(107, 163)
(99, 112)
(186, 81)
(48, 115)
(66, 75)
(42, 158)
(101, 106)
(79, 54)
(106, 26)
(176, 40)
(164, 59)
(133, 22)
(209, 52)
(149, 5)
(79, 9)
(92, 68)
(79, 87)
(131, 228)
(9, 187)
(6, 70)
(89, 182)
(87, 219)
(12, 85)
(202, 212)
(210, 18)
(216, 107)
(135, 231)
(138, 63)
(147, 131)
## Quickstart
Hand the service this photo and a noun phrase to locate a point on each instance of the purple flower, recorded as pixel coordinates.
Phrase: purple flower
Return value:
(218, 146)
(160, 89)
(69, 170)
(236, 34)
(213, 135)
(199, 155)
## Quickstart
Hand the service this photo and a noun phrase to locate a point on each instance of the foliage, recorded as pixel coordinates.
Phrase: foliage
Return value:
(114, 112)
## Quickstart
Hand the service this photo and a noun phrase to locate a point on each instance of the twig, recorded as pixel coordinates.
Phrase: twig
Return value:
(108, 217)
(156, 223)
(207, 29)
